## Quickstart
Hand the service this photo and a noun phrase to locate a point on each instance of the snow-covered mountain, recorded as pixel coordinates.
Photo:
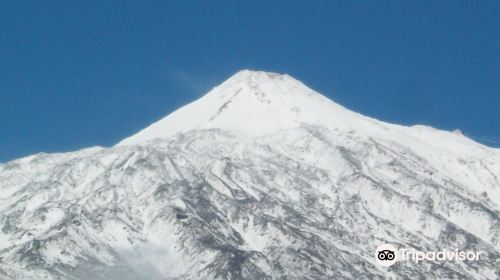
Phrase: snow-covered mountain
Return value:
(262, 178)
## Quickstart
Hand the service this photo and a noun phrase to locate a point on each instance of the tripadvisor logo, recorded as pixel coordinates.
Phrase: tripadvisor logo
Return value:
(387, 255)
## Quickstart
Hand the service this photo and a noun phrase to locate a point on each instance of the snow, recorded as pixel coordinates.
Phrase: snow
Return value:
(4, 241)
(253, 104)
(179, 204)
(256, 103)
(260, 173)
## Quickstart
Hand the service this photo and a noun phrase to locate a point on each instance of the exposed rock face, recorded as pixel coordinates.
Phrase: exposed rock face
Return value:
(260, 179)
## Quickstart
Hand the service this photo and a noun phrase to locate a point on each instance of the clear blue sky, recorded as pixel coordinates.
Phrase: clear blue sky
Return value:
(75, 74)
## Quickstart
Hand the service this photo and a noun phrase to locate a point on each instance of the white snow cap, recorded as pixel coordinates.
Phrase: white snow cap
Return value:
(257, 103)
(252, 103)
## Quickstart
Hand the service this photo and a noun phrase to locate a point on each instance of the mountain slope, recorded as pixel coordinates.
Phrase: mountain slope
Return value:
(262, 178)
(253, 104)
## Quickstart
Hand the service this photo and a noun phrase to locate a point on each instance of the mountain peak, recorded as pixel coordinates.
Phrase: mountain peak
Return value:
(258, 76)
(247, 74)
(252, 103)
(262, 82)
